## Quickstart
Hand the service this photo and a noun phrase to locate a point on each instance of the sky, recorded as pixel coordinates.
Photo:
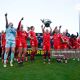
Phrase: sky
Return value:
(60, 12)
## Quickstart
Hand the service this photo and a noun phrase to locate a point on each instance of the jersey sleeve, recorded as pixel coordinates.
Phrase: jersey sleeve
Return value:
(19, 24)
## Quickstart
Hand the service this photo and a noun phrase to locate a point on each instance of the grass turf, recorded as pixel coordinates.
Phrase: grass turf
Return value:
(40, 71)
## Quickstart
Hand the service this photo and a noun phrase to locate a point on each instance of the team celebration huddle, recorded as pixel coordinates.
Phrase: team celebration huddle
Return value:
(14, 43)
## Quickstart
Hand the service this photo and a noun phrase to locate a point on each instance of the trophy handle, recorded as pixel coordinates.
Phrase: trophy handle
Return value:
(42, 20)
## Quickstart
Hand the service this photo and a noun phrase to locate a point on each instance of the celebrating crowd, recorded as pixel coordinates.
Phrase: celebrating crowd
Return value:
(13, 41)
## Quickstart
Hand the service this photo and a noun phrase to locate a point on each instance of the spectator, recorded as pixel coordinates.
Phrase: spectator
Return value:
(39, 40)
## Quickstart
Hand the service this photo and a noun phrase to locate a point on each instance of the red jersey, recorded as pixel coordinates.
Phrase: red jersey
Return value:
(78, 41)
(3, 36)
(21, 39)
(73, 43)
(3, 40)
(65, 43)
(33, 40)
(46, 38)
(57, 39)
(22, 35)
(33, 35)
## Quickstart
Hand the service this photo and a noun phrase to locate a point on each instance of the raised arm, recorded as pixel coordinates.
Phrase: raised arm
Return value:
(50, 30)
(60, 29)
(54, 30)
(6, 20)
(77, 35)
(42, 28)
(19, 24)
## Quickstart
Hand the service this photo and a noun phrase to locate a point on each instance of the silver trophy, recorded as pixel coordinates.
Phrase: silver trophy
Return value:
(46, 22)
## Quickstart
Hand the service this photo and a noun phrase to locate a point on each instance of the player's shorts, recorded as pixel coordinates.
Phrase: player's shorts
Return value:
(34, 43)
(64, 47)
(46, 47)
(20, 43)
(57, 47)
(10, 43)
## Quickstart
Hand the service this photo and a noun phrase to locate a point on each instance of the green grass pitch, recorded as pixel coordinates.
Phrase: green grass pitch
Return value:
(40, 71)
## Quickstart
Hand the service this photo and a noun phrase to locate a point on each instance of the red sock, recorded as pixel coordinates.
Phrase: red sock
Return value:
(35, 51)
(22, 58)
(32, 56)
(44, 56)
(18, 59)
